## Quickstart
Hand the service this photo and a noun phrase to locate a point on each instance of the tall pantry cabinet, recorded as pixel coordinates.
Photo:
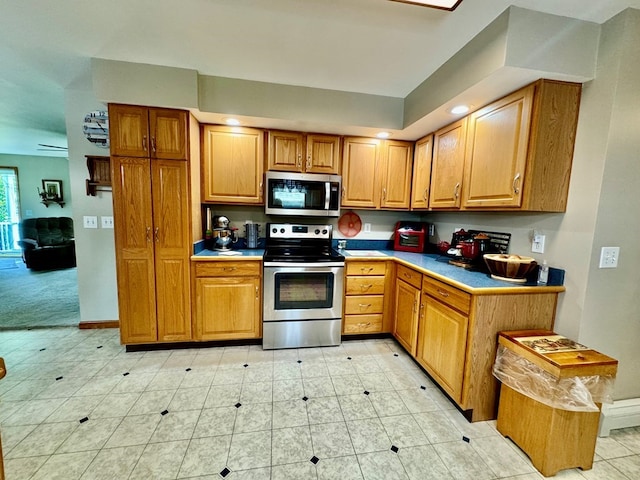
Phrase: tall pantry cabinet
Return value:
(151, 204)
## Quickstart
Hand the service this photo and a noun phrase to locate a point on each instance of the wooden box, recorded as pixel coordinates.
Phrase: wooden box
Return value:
(553, 438)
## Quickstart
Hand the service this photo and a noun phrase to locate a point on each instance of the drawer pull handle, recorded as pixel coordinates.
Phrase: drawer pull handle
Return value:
(155, 234)
(366, 269)
(366, 287)
(144, 143)
(153, 144)
(407, 275)
(148, 234)
(443, 293)
(425, 195)
(364, 305)
(308, 162)
(228, 269)
(456, 191)
(299, 159)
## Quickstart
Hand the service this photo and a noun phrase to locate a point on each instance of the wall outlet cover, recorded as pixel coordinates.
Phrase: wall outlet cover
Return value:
(90, 221)
(107, 221)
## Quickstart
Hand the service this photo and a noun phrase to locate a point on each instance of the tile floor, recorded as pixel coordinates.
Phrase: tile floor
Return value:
(75, 405)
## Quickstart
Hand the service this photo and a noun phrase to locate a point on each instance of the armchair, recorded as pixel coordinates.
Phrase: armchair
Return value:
(48, 243)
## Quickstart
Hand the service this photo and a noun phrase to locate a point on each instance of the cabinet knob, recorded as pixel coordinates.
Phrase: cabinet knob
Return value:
(257, 292)
(516, 183)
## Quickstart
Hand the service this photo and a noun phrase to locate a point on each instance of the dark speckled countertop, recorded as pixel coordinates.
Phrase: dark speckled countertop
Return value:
(437, 266)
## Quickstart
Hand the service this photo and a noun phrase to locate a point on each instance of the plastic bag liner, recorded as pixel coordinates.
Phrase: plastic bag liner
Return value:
(577, 394)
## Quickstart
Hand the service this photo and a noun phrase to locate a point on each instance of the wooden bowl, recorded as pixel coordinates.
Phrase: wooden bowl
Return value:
(512, 268)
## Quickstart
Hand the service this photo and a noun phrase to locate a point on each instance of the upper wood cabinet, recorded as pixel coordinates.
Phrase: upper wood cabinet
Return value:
(421, 173)
(148, 132)
(299, 152)
(448, 165)
(376, 173)
(232, 165)
(496, 151)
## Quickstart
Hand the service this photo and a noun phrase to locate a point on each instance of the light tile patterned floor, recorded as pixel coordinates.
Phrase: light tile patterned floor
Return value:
(75, 405)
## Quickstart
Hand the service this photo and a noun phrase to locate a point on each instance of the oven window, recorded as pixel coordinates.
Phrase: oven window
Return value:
(303, 290)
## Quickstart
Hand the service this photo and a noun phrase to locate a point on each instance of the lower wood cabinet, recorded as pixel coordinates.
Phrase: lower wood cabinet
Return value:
(407, 307)
(442, 344)
(364, 304)
(457, 338)
(228, 300)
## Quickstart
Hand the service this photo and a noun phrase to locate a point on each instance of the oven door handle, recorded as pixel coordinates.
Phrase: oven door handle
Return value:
(315, 265)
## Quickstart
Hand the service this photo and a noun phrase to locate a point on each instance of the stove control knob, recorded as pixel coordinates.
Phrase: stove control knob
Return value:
(282, 230)
(317, 232)
(324, 232)
(275, 230)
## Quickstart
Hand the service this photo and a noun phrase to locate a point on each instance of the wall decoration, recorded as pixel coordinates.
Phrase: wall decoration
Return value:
(96, 128)
(51, 192)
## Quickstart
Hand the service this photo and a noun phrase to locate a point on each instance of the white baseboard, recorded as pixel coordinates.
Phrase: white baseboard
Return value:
(620, 414)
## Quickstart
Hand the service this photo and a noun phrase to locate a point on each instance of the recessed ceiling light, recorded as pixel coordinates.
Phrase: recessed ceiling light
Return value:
(383, 134)
(441, 4)
(458, 109)
(232, 121)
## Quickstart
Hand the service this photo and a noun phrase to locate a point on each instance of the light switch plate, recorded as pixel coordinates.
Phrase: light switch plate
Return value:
(90, 221)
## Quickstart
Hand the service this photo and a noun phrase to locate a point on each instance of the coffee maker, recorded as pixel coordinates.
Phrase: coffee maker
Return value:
(222, 235)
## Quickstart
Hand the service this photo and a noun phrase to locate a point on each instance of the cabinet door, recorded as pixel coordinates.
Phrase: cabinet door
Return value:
(323, 154)
(397, 158)
(496, 152)
(233, 165)
(442, 345)
(406, 314)
(172, 248)
(285, 150)
(360, 177)
(168, 131)
(133, 224)
(129, 130)
(421, 173)
(447, 165)
(228, 308)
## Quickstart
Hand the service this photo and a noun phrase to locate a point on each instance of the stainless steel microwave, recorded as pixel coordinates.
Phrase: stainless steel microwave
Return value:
(302, 194)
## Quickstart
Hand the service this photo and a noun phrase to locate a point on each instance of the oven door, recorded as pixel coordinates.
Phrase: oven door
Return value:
(302, 292)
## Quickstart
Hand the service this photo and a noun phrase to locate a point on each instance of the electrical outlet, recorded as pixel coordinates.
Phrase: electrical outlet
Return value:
(609, 257)
(90, 221)
(537, 245)
(107, 222)
(367, 228)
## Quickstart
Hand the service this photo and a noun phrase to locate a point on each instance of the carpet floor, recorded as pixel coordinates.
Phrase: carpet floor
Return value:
(30, 299)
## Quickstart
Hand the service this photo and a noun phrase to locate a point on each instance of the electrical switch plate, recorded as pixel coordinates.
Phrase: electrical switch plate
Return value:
(609, 257)
(367, 227)
(537, 245)
(90, 221)
(107, 222)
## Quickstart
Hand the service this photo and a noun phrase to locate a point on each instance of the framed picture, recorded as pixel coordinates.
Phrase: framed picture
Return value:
(52, 189)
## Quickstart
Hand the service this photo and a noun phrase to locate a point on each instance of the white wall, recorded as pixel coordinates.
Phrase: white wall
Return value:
(31, 172)
(95, 250)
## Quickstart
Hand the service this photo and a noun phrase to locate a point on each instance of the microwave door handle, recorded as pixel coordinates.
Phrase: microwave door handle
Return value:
(327, 195)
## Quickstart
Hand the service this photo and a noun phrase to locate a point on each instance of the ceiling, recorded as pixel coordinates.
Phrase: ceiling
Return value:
(368, 46)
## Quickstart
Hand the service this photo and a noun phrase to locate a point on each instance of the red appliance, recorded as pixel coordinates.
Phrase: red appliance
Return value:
(411, 236)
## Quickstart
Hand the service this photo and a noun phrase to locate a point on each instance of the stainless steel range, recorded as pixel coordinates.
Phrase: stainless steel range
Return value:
(303, 287)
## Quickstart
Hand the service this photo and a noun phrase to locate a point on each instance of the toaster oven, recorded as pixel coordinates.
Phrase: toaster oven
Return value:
(411, 236)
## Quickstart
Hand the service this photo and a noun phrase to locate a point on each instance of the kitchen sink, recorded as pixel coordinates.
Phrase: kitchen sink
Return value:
(365, 253)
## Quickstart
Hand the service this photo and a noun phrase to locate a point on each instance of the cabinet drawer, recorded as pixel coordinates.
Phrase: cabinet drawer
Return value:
(361, 304)
(410, 276)
(362, 323)
(366, 268)
(365, 285)
(447, 294)
(227, 269)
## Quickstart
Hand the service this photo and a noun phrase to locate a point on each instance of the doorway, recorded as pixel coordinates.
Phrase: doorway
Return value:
(9, 211)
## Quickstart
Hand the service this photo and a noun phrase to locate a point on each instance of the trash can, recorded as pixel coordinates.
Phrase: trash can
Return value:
(550, 398)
